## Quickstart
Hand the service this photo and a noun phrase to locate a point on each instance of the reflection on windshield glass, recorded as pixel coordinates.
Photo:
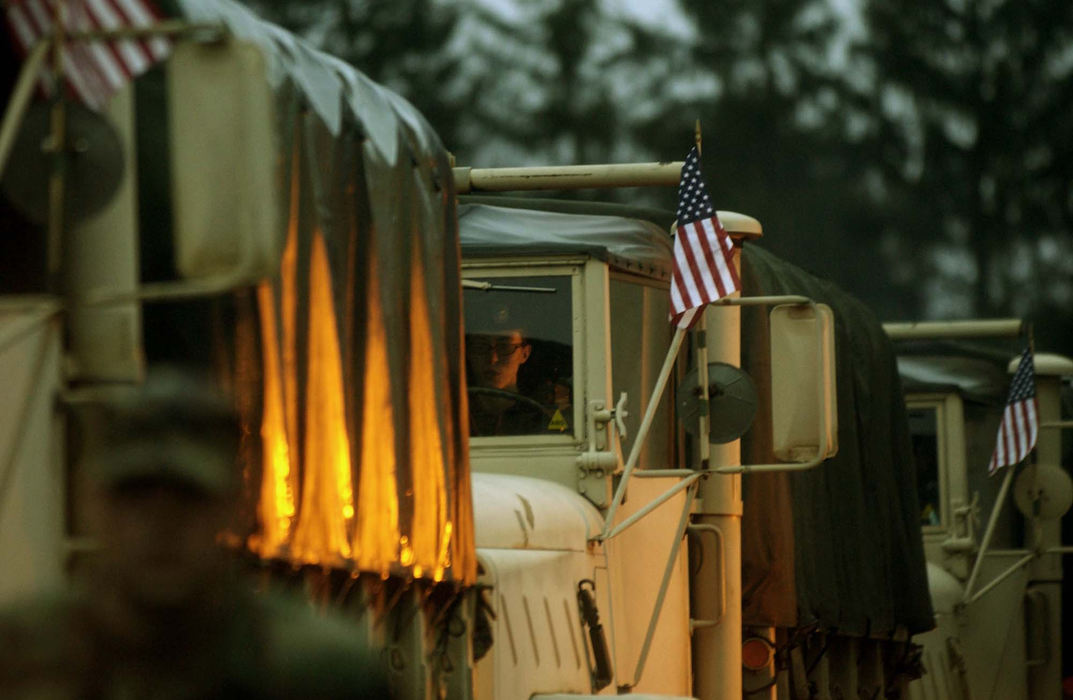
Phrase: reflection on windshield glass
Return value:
(519, 357)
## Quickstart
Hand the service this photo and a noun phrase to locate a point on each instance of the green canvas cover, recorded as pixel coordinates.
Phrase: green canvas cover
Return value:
(347, 364)
(838, 547)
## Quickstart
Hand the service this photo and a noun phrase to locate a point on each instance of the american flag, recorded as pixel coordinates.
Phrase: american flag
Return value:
(93, 70)
(703, 252)
(1020, 422)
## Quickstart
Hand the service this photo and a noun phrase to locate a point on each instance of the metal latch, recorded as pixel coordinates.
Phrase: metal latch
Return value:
(963, 536)
(599, 416)
(618, 414)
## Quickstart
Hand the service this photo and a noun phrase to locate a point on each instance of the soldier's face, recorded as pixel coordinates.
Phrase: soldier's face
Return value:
(494, 360)
(159, 542)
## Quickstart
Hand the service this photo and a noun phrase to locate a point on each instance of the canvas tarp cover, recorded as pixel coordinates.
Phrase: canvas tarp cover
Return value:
(625, 243)
(348, 363)
(839, 546)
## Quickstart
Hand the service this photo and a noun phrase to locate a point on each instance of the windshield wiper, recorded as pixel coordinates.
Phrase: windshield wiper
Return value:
(489, 287)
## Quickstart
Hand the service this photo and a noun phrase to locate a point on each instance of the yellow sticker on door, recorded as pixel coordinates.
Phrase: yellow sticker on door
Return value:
(558, 422)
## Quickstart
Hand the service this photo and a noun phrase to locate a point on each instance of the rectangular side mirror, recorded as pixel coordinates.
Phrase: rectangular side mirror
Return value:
(223, 161)
(804, 403)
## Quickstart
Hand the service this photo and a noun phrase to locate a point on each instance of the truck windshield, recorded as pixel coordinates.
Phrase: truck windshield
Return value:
(519, 356)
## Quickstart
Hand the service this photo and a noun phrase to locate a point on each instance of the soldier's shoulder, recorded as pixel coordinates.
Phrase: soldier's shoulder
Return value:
(317, 655)
(40, 635)
(41, 616)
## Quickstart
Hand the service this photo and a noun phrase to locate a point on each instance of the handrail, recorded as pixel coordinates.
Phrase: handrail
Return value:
(977, 328)
(567, 177)
(696, 528)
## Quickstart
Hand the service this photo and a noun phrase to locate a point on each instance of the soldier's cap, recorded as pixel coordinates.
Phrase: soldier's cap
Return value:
(173, 429)
(493, 316)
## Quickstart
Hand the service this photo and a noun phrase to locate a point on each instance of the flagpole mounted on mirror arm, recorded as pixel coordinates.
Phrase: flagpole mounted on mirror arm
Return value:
(1015, 442)
(704, 450)
(703, 273)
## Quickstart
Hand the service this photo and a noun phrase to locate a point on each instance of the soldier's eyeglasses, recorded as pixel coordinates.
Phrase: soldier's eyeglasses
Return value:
(484, 348)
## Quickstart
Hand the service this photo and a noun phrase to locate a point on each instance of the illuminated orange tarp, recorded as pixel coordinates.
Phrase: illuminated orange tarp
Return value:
(363, 462)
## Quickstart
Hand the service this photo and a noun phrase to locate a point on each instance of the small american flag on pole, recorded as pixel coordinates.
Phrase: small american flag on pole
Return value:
(1020, 422)
(93, 70)
(703, 252)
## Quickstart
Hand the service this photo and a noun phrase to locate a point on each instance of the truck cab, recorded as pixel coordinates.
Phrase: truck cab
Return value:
(574, 309)
(992, 542)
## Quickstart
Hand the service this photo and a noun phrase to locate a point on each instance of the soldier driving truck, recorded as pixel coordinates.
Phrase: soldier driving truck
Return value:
(157, 607)
(517, 379)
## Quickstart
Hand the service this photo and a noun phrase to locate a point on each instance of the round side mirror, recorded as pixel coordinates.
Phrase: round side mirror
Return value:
(1043, 491)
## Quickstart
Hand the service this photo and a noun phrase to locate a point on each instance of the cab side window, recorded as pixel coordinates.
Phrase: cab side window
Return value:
(640, 336)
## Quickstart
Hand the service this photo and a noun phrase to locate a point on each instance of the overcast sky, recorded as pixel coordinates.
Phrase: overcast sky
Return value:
(666, 13)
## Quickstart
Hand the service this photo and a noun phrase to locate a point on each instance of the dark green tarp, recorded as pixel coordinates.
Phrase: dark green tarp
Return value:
(628, 244)
(843, 540)
(356, 341)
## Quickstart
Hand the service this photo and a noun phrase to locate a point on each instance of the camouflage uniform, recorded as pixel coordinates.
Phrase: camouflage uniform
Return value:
(262, 646)
(158, 611)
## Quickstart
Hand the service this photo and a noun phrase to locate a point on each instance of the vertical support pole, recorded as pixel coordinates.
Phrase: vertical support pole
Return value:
(1045, 574)
(105, 342)
(717, 673)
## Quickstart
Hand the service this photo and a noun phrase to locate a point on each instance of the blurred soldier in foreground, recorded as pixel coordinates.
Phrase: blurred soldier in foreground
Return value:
(158, 611)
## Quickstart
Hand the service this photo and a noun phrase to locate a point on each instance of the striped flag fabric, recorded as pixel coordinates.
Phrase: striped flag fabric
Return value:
(703, 252)
(1020, 422)
(92, 70)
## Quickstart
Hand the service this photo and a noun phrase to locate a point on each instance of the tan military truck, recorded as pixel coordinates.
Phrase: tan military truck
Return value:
(834, 599)
(993, 543)
(787, 579)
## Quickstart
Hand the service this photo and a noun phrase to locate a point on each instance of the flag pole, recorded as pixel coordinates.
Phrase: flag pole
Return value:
(1026, 357)
(704, 445)
(642, 432)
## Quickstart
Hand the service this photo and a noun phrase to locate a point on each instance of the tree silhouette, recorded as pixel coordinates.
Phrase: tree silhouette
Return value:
(976, 151)
(399, 43)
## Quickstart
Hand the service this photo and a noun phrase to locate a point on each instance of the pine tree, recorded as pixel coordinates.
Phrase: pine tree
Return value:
(782, 131)
(976, 149)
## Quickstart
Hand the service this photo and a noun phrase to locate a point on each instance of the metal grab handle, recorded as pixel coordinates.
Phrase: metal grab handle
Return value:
(720, 539)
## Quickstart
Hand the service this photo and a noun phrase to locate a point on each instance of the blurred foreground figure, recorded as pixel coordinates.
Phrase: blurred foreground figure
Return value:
(158, 611)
